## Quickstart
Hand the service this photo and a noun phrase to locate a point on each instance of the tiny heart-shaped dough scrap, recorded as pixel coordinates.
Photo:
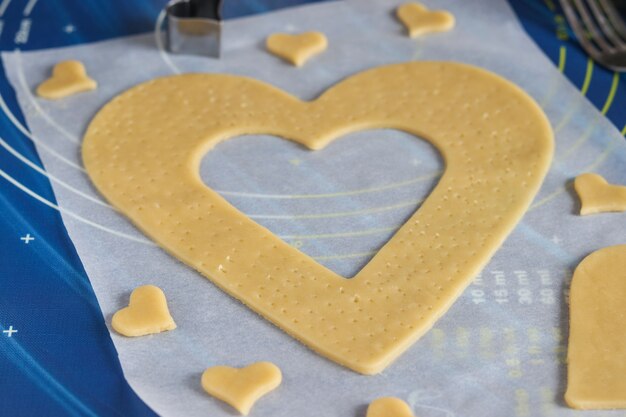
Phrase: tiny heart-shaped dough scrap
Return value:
(241, 387)
(296, 49)
(68, 77)
(420, 21)
(596, 352)
(598, 196)
(389, 407)
(147, 313)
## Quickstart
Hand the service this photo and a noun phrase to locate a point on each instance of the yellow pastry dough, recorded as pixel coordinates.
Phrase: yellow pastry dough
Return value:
(596, 355)
(419, 21)
(598, 196)
(146, 313)
(296, 49)
(241, 388)
(68, 78)
(143, 151)
(389, 407)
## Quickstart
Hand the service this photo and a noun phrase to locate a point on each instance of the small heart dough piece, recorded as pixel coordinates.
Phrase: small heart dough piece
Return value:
(147, 313)
(419, 20)
(68, 78)
(598, 196)
(241, 387)
(389, 407)
(296, 49)
(596, 354)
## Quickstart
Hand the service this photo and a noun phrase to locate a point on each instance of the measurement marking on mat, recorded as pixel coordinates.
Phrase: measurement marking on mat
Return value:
(27, 238)
(21, 37)
(3, 6)
(29, 7)
(9, 332)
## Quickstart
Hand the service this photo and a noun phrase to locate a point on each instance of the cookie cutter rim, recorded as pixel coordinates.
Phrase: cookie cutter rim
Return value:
(194, 27)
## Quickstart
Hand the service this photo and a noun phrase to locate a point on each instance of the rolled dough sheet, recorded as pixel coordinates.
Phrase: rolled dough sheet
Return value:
(497, 153)
(596, 355)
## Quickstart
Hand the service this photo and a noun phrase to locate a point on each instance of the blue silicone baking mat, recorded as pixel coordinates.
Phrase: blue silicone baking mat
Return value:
(56, 356)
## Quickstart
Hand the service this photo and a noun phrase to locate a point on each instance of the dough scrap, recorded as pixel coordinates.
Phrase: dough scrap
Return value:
(496, 141)
(389, 407)
(297, 49)
(241, 388)
(598, 196)
(596, 355)
(419, 21)
(68, 78)
(147, 313)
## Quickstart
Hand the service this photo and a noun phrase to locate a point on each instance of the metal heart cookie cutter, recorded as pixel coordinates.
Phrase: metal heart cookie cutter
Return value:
(194, 27)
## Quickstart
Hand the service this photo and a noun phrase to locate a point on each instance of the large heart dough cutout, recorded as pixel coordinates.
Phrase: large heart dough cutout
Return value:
(143, 151)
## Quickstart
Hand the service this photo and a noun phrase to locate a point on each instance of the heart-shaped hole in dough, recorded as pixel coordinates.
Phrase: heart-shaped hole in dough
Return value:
(338, 205)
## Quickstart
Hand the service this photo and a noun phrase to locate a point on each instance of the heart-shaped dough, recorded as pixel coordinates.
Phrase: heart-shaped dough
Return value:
(598, 196)
(296, 49)
(495, 140)
(419, 21)
(389, 407)
(241, 388)
(68, 77)
(147, 313)
(596, 355)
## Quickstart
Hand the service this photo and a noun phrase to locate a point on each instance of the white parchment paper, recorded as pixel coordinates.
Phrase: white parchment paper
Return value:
(498, 352)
